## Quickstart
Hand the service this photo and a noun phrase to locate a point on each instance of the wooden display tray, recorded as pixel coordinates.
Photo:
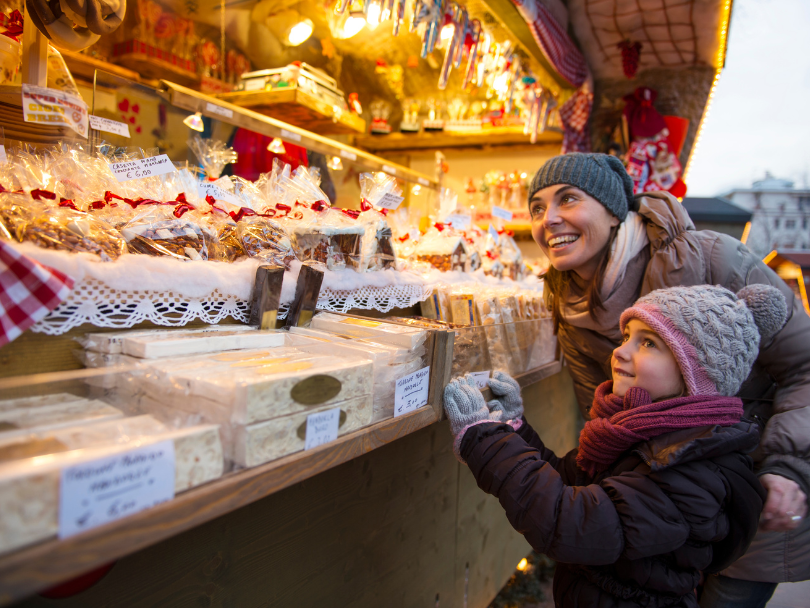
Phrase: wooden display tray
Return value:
(488, 138)
(38, 567)
(298, 108)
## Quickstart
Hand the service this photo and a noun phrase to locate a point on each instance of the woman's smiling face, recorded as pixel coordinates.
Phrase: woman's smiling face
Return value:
(571, 227)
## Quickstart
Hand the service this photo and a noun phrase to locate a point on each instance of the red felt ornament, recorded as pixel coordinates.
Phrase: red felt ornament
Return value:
(631, 52)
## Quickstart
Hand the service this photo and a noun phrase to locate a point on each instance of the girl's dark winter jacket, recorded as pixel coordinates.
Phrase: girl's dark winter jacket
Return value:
(638, 534)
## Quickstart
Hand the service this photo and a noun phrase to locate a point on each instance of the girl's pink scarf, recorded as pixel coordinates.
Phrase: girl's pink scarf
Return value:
(618, 424)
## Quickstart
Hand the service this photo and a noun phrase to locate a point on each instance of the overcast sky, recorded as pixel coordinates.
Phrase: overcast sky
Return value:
(760, 117)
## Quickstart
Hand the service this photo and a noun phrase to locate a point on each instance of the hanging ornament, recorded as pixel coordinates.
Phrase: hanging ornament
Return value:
(631, 51)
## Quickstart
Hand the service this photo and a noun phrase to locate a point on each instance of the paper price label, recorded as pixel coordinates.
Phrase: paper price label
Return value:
(109, 126)
(348, 155)
(255, 84)
(458, 221)
(389, 201)
(422, 181)
(50, 106)
(501, 213)
(322, 428)
(411, 392)
(98, 492)
(142, 167)
(387, 169)
(209, 188)
(3, 156)
(290, 136)
(493, 233)
(480, 379)
(215, 109)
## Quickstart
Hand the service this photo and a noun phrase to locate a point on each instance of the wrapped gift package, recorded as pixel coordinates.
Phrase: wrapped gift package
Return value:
(379, 331)
(26, 419)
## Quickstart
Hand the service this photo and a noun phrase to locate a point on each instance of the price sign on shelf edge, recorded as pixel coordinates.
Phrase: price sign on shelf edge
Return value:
(142, 167)
(411, 392)
(100, 491)
(322, 428)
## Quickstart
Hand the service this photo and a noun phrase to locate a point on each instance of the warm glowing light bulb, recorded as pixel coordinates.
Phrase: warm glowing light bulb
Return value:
(194, 121)
(523, 564)
(416, 190)
(335, 163)
(353, 26)
(373, 15)
(276, 146)
(447, 32)
(300, 32)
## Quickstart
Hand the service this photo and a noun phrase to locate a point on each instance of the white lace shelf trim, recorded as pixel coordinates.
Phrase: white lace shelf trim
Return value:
(91, 301)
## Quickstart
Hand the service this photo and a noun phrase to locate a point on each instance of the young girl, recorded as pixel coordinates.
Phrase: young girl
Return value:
(660, 489)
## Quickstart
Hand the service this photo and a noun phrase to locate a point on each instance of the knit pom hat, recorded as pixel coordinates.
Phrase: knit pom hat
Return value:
(600, 175)
(713, 334)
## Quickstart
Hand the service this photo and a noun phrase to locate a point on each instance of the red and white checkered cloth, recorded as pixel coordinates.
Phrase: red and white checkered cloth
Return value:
(574, 115)
(28, 292)
(558, 48)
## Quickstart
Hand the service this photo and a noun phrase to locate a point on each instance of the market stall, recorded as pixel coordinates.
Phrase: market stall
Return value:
(269, 235)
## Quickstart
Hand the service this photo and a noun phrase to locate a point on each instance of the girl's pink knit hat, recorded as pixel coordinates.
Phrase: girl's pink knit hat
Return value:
(713, 334)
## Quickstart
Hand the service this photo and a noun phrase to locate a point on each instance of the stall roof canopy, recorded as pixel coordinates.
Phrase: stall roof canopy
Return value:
(673, 33)
(715, 210)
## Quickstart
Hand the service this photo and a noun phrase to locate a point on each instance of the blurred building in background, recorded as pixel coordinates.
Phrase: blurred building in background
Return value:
(781, 215)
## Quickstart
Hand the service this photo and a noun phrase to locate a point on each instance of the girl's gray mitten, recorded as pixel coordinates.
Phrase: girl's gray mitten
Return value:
(464, 404)
(507, 391)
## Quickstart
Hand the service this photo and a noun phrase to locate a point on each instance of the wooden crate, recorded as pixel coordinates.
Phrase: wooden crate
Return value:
(298, 108)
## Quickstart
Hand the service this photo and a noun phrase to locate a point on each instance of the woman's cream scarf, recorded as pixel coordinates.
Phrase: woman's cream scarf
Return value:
(621, 283)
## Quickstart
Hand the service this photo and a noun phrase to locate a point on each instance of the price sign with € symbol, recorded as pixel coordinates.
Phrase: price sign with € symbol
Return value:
(411, 392)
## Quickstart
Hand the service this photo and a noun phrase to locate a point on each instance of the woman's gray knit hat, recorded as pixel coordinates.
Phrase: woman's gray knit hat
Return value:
(713, 334)
(600, 175)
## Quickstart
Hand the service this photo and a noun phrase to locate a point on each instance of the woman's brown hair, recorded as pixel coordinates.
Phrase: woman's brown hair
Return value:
(558, 282)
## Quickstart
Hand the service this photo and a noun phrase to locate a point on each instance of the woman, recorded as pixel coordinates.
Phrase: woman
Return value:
(607, 248)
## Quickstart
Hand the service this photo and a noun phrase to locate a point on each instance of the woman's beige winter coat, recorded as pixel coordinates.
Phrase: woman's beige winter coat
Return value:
(777, 392)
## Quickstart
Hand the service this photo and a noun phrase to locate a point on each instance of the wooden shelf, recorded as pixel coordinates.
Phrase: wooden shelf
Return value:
(214, 107)
(298, 108)
(499, 136)
(83, 67)
(155, 68)
(29, 570)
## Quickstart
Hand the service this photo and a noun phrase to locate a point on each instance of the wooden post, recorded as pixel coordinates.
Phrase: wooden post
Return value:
(306, 297)
(34, 54)
(266, 296)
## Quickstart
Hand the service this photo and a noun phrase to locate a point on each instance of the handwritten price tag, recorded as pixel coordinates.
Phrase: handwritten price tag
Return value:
(501, 213)
(98, 492)
(322, 428)
(50, 106)
(480, 379)
(142, 167)
(389, 201)
(109, 126)
(458, 221)
(206, 188)
(348, 155)
(493, 233)
(389, 169)
(411, 392)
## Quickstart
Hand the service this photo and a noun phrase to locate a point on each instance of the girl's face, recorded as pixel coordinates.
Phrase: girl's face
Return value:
(644, 360)
(571, 227)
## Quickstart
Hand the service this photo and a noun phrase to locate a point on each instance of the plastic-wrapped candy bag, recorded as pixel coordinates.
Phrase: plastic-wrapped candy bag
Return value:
(162, 230)
(265, 239)
(212, 154)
